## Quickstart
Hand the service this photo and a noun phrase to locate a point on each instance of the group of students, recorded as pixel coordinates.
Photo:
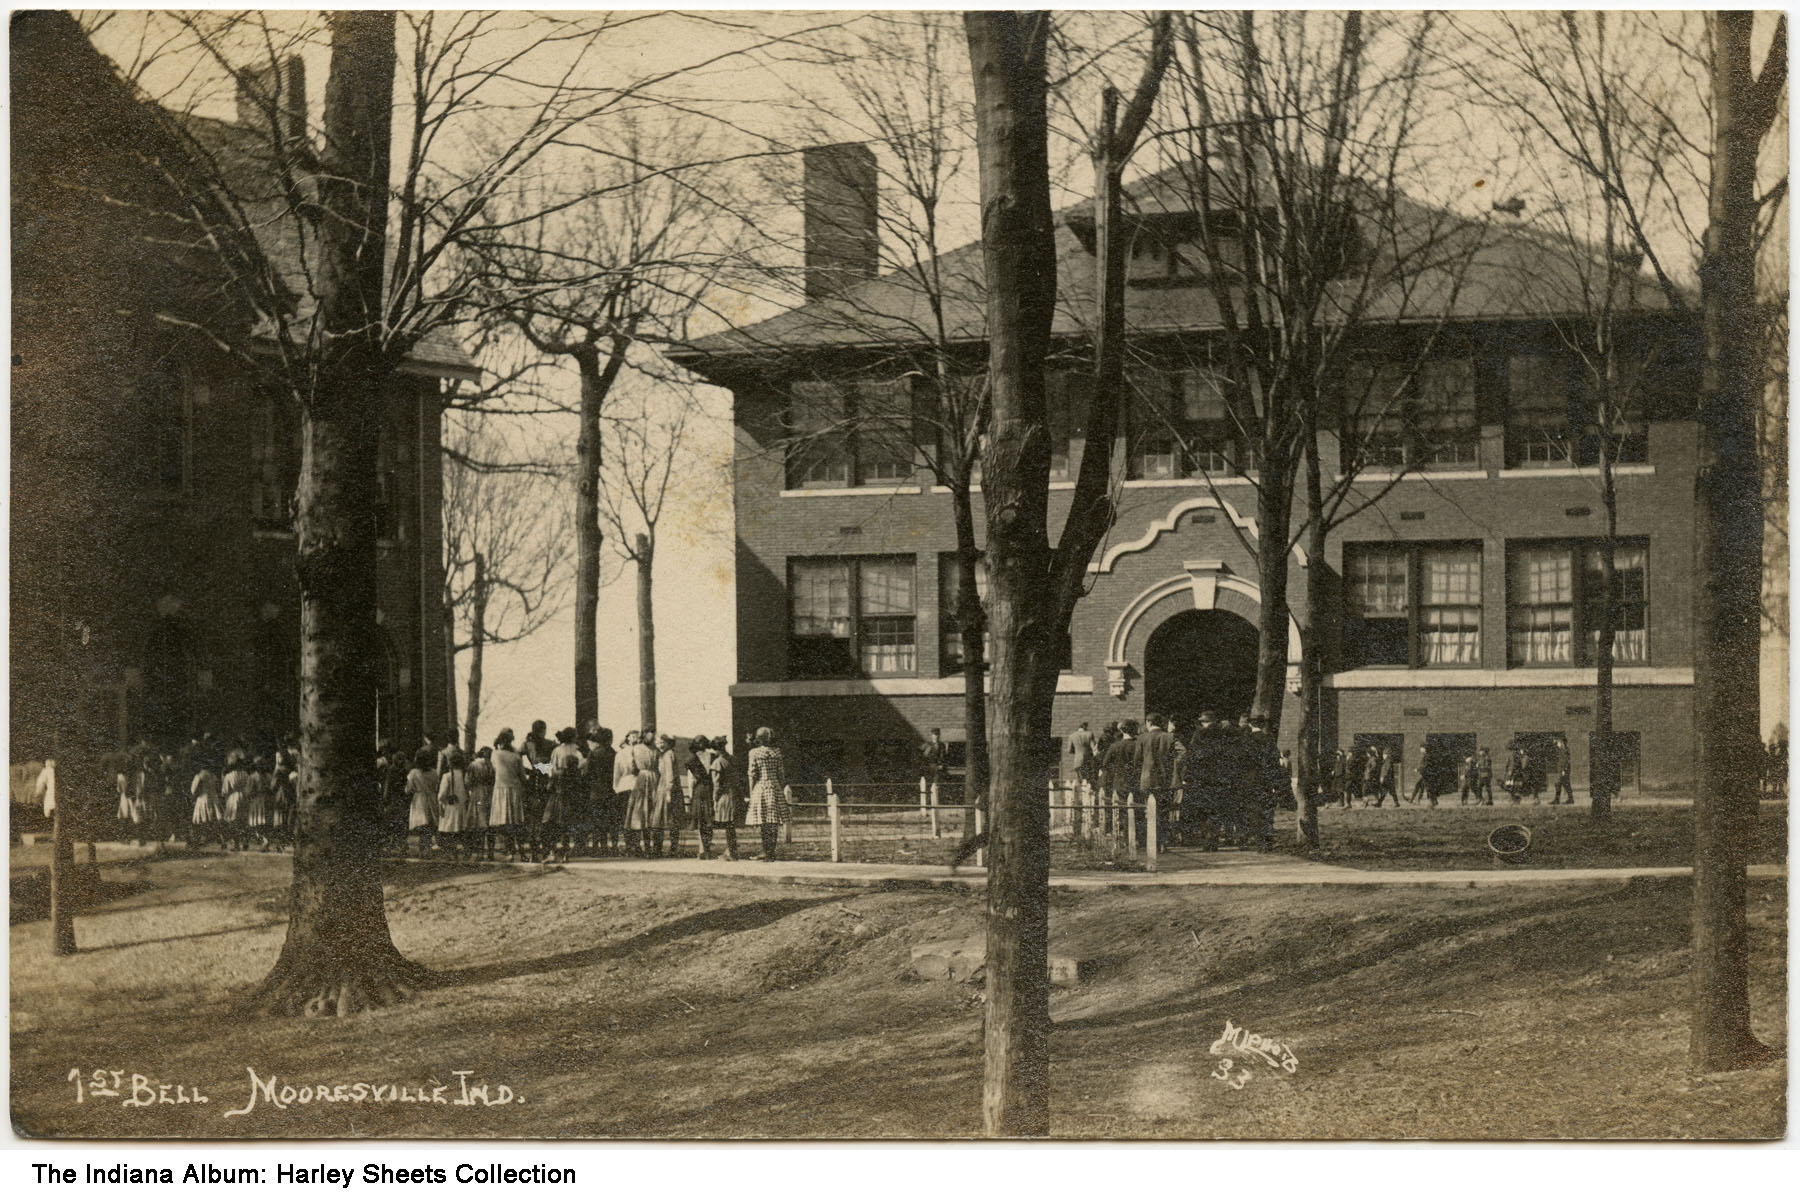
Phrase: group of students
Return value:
(540, 800)
(1369, 776)
(1221, 786)
(549, 800)
(204, 792)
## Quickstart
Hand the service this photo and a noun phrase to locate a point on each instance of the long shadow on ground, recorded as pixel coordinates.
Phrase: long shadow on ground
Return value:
(724, 919)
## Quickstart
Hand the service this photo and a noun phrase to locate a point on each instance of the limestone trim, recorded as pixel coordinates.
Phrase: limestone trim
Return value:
(1404, 679)
(1168, 523)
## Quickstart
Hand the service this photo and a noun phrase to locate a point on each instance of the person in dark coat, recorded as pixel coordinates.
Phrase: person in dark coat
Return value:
(1371, 777)
(606, 826)
(1340, 777)
(1123, 766)
(1390, 778)
(1560, 760)
(934, 754)
(1202, 806)
(1422, 784)
(1484, 777)
(1161, 754)
(1517, 761)
(1268, 783)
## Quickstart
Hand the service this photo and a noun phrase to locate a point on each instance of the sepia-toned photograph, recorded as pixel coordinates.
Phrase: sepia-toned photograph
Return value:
(897, 576)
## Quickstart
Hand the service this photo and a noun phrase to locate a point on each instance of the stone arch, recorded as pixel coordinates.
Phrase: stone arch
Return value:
(1212, 587)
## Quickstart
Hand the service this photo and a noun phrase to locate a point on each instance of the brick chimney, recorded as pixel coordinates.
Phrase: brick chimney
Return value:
(278, 86)
(842, 244)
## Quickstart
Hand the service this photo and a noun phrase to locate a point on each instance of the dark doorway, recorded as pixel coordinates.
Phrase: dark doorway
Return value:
(1444, 754)
(1200, 661)
(1540, 754)
(1627, 751)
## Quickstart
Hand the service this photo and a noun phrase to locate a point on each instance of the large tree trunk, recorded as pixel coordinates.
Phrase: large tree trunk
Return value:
(449, 622)
(1274, 514)
(588, 539)
(62, 877)
(338, 955)
(644, 554)
(478, 602)
(1603, 757)
(1007, 58)
(1726, 612)
(972, 620)
(1312, 645)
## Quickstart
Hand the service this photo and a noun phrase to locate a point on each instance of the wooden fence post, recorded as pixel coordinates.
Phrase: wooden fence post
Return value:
(933, 808)
(831, 813)
(1150, 836)
(981, 853)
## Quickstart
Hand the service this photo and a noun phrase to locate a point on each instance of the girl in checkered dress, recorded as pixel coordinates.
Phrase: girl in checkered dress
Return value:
(768, 806)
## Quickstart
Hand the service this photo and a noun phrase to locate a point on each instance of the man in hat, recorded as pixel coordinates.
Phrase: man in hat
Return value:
(1201, 808)
(932, 756)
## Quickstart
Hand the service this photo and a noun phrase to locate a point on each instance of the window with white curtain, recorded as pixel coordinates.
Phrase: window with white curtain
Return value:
(1541, 606)
(851, 615)
(1556, 601)
(1450, 606)
(1413, 604)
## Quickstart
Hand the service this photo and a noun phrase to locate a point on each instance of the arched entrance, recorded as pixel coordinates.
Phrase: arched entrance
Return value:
(1201, 660)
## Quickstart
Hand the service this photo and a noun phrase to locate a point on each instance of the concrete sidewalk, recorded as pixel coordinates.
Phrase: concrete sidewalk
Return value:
(1229, 869)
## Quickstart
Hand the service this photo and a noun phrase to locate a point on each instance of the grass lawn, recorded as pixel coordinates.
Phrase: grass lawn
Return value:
(614, 1004)
(1452, 837)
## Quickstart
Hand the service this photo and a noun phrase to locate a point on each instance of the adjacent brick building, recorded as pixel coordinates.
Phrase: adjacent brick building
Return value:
(1461, 597)
(153, 588)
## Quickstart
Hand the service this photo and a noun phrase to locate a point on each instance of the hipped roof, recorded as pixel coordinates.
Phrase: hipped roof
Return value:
(1509, 270)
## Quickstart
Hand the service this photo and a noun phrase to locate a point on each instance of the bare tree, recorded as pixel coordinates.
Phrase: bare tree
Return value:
(506, 569)
(1745, 105)
(650, 421)
(1619, 121)
(919, 401)
(612, 254)
(1034, 586)
(1290, 142)
(332, 256)
(1598, 132)
(338, 955)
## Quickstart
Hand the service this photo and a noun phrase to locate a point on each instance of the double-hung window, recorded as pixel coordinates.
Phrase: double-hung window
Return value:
(1413, 605)
(1447, 430)
(1407, 415)
(1537, 410)
(1556, 602)
(850, 616)
(1180, 425)
(851, 434)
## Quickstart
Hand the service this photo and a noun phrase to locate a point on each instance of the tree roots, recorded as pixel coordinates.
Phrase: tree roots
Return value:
(340, 989)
